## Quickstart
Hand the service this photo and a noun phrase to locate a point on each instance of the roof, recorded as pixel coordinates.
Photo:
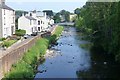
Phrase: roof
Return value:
(6, 7)
(30, 18)
(39, 13)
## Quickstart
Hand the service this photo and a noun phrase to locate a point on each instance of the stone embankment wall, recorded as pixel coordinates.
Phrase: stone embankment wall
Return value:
(16, 54)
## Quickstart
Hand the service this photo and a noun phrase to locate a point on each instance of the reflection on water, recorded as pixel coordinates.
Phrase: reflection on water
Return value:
(69, 60)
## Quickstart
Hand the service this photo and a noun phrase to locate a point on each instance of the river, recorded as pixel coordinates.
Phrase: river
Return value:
(69, 60)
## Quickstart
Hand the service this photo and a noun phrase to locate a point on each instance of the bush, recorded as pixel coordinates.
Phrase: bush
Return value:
(20, 70)
(8, 43)
(20, 32)
(52, 39)
(2, 39)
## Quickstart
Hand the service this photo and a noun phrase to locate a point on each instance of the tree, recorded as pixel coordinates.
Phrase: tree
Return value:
(66, 15)
(57, 18)
(49, 13)
(103, 20)
(20, 32)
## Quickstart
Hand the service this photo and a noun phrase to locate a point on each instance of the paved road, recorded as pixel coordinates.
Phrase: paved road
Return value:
(17, 44)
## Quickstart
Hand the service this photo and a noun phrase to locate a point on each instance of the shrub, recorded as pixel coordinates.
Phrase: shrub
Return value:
(2, 39)
(8, 43)
(20, 32)
(20, 70)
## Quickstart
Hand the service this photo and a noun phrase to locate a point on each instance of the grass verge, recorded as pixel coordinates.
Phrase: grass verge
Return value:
(25, 68)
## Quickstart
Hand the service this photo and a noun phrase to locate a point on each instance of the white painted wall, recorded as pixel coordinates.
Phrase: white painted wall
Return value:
(8, 21)
(24, 23)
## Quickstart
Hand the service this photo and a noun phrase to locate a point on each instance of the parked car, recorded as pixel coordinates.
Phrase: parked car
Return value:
(26, 36)
(34, 34)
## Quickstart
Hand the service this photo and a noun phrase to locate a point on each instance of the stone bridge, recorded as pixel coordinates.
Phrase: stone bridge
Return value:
(66, 24)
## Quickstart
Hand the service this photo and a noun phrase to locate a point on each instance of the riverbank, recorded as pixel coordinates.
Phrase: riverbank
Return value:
(26, 67)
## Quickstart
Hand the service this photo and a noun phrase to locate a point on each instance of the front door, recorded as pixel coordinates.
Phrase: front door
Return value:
(12, 29)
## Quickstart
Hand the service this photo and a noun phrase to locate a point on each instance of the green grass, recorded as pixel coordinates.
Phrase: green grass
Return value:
(25, 68)
(20, 70)
(58, 31)
(8, 43)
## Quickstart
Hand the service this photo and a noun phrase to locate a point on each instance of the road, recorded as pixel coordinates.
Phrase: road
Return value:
(16, 45)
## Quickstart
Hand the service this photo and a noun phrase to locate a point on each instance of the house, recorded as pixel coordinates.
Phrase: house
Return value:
(39, 19)
(27, 23)
(7, 20)
(72, 17)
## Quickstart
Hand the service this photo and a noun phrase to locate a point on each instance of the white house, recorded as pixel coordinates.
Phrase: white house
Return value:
(27, 23)
(39, 19)
(72, 17)
(7, 20)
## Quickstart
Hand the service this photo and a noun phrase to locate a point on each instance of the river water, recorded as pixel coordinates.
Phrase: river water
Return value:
(69, 60)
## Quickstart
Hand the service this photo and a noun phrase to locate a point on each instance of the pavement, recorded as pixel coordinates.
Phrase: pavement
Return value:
(15, 45)
(19, 43)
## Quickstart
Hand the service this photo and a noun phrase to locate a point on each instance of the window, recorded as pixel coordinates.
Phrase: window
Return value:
(38, 28)
(30, 14)
(38, 22)
(4, 12)
(4, 21)
(13, 20)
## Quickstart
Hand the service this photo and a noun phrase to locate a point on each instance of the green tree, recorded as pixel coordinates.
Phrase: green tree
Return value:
(102, 19)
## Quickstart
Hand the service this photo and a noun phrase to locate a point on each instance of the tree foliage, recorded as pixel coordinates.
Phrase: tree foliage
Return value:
(103, 20)
(63, 15)
(20, 32)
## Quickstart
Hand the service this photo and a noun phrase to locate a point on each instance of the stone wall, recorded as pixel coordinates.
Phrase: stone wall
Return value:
(12, 57)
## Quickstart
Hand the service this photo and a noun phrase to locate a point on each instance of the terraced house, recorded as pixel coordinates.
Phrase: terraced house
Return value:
(34, 21)
(7, 20)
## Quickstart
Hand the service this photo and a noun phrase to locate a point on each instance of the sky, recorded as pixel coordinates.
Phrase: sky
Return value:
(55, 5)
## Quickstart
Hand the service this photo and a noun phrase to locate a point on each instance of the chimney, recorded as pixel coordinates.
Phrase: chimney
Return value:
(45, 14)
(2, 2)
(23, 14)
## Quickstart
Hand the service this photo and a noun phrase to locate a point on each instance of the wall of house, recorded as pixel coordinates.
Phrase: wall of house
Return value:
(24, 23)
(8, 21)
(44, 23)
(0, 21)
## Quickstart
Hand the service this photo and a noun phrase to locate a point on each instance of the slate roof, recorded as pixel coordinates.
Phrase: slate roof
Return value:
(30, 18)
(6, 7)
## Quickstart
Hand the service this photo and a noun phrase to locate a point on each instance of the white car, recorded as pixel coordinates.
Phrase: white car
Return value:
(26, 36)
